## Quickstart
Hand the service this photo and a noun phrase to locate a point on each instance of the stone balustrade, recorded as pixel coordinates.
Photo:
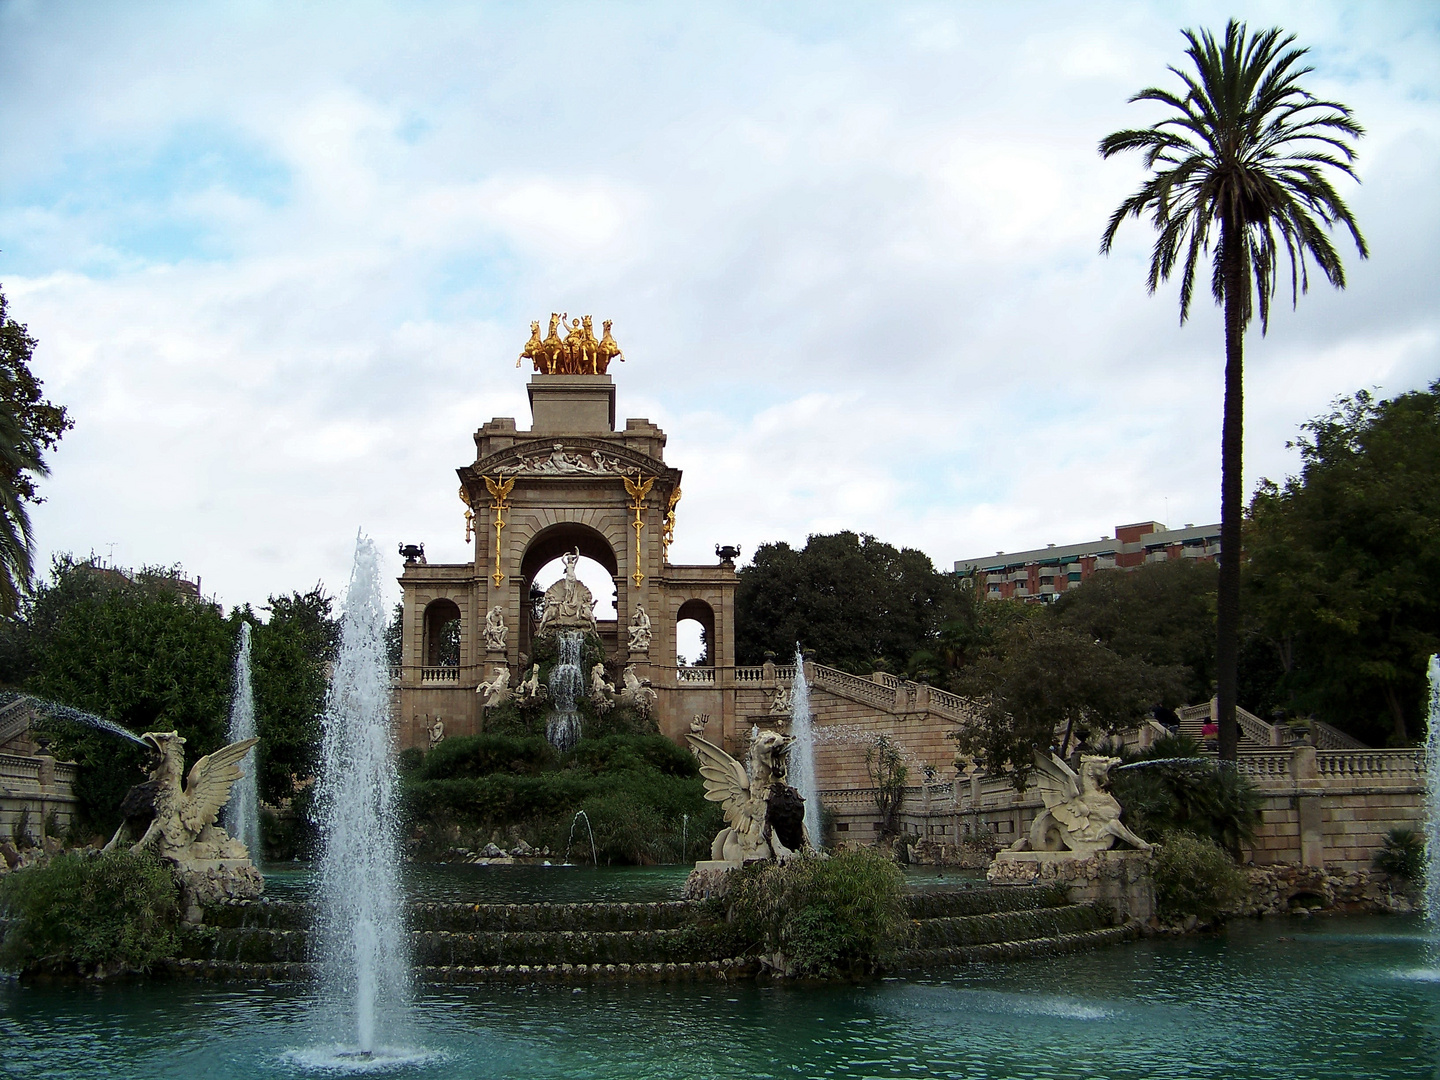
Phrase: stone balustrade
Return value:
(440, 675)
(691, 676)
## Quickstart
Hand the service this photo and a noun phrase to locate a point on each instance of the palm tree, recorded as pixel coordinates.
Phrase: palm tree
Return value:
(1239, 170)
(19, 453)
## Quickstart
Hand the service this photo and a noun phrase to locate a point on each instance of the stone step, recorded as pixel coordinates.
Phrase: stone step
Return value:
(448, 948)
(721, 970)
(687, 944)
(984, 899)
(965, 930)
(929, 959)
(458, 917)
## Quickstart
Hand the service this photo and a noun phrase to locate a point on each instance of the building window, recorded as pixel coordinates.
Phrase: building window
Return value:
(842, 826)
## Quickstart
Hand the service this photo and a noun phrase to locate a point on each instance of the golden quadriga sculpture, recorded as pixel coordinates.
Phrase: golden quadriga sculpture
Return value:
(210, 864)
(579, 352)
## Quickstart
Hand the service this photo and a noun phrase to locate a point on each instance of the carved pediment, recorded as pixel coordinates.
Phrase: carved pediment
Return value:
(567, 457)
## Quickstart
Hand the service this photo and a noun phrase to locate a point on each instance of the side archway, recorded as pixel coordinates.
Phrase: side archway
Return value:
(701, 613)
(444, 626)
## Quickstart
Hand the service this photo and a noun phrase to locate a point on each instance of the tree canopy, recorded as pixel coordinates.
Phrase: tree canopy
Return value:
(858, 602)
(144, 651)
(29, 426)
(1343, 573)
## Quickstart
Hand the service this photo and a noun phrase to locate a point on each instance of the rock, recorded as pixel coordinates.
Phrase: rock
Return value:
(491, 851)
(706, 883)
(9, 853)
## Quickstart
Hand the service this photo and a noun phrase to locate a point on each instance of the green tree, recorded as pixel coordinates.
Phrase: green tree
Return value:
(29, 425)
(1048, 686)
(145, 653)
(853, 599)
(1240, 166)
(289, 654)
(1343, 567)
(1162, 613)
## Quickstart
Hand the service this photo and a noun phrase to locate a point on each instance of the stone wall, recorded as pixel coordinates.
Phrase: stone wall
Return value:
(1329, 808)
(33, 787)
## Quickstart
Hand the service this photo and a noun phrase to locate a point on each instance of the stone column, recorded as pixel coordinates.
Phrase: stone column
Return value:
(1307, 805)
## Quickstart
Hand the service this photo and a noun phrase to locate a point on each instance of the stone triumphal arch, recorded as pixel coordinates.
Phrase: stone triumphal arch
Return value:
(573, 481)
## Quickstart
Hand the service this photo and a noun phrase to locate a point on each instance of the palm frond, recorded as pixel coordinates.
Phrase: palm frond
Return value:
(1245, 148)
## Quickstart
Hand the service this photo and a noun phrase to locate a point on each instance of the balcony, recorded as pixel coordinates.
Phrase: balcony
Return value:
(445, 675)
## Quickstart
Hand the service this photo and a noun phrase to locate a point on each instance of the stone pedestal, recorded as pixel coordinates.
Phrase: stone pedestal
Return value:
(1119, 878)
(207, 881)
(708, 879)
(572, 404)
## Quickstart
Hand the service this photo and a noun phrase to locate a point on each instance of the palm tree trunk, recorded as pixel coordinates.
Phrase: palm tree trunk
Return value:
(1227, 614)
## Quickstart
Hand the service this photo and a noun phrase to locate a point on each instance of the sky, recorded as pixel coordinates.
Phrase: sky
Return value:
(280, 260)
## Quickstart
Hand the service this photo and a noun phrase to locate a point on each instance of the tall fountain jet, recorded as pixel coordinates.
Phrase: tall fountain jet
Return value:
(242, 813)
(802, 755)
(360, 926)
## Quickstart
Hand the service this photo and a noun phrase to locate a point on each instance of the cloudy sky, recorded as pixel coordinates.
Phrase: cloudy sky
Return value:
(280, 259)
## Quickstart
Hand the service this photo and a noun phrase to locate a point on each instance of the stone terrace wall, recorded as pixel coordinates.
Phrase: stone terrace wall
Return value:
(1328, 808)
(1333, 807)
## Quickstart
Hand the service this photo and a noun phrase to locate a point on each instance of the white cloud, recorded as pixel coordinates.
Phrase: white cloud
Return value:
(852, 264)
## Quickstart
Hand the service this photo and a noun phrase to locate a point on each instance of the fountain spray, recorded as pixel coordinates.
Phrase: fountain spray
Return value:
(802, 754)
(360, 926)
(242, 813)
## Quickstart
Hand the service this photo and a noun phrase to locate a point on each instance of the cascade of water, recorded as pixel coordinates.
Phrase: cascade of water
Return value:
(1432, 798)
(594, 855)
(360, 928)
(242, 812)
(802, 754)
(566, 684)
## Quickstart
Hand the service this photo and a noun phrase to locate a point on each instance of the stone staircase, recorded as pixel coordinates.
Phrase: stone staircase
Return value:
(268, 940)
(1257, 736)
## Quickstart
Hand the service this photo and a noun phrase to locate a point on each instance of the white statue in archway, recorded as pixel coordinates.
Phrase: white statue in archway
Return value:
(640, 630)
(495, 629)
(568, 604)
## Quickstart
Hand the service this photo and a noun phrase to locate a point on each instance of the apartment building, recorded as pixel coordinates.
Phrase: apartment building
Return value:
(1044, 573)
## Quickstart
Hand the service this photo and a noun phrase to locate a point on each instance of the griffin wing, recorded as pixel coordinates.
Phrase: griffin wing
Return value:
(1057, 781)
(725, 781)
(207, 788)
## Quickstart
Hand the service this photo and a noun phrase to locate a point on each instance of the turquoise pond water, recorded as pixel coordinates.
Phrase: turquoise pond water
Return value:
(1342, 997)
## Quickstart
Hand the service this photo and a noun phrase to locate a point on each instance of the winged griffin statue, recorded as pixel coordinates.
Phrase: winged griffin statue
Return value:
(183, 829)
(764, 816)
(1079, 815)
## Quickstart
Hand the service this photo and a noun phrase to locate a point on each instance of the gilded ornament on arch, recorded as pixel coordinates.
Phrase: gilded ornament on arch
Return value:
(499, 489)
(638, 489)
(667, 535)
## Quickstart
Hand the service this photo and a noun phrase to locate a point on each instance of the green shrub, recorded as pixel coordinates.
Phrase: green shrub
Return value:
(636, 789)
(1191, 795)
(1194, 876)
(824, 916)
(98, 914)
(477, 755)
(1403, 855)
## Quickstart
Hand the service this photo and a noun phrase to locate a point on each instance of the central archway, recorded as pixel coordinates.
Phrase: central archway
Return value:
(547, 546)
